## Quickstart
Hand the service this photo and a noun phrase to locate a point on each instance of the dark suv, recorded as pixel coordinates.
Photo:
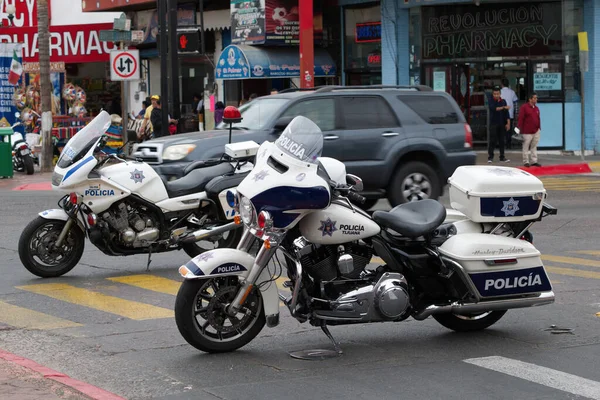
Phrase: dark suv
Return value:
(403, 141)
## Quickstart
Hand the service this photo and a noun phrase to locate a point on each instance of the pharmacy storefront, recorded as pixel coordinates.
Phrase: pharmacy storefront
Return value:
(466, 47)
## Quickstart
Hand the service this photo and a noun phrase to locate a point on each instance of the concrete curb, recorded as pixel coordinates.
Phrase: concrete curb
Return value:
(85, 388)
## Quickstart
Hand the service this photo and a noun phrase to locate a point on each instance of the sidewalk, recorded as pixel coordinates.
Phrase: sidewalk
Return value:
(552, 164)
(23, 379)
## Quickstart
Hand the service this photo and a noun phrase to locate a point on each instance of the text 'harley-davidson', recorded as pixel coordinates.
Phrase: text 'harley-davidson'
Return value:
(465, 271)
(124, 207)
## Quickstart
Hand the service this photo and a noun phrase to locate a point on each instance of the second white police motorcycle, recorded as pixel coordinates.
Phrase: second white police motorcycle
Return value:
(465, 267)
(124, 207)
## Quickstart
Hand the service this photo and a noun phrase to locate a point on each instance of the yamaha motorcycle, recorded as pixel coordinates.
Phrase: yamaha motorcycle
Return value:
(124, 207)
(465, 268)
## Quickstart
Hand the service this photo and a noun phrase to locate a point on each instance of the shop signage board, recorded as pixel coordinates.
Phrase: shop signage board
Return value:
(547, 81)
(467, 31)
(147, 21)
(271, 22)
(125, 65)
(7, 89)
(253, 63)
(69, 43)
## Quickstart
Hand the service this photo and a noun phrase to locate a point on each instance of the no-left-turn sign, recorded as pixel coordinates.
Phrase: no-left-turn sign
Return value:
(125, 65)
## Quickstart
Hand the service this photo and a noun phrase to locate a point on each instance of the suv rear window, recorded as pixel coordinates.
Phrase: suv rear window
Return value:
(433, 109)
(367, 112)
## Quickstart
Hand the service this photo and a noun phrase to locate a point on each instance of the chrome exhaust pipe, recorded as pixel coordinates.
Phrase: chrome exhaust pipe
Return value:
(205, 233)
(489, 305)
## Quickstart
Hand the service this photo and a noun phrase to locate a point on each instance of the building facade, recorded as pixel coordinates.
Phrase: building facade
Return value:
(466, 47)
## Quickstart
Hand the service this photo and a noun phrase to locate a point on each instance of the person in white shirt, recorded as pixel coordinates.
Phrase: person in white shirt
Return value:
(511, 100)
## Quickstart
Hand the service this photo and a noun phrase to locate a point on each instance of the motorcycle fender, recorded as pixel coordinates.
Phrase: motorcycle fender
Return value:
(57, 213)
(230, 262)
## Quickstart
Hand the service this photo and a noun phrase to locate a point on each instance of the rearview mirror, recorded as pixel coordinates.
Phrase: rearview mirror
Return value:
(355, 182)
(281, 124)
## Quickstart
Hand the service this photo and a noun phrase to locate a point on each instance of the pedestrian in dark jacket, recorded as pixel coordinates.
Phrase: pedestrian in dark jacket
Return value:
(156, 119)
(499, 124)
(219, 108)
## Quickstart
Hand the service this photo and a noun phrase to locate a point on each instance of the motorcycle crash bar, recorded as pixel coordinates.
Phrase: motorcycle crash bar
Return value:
(205, 233)
(488, 305)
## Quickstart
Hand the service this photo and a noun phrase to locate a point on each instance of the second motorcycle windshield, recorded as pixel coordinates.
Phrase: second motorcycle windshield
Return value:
(80, 144)
(301, 139)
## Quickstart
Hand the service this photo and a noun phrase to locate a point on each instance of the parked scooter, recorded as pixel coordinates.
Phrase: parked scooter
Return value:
(22, 158)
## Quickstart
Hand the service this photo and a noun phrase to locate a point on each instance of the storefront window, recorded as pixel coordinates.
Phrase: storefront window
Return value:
(362, 50)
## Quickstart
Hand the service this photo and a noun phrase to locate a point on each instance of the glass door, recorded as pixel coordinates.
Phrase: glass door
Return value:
(547, 81)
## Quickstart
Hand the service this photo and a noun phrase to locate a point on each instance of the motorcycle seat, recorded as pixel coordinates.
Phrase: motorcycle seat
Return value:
(195, 181)
(412, 219)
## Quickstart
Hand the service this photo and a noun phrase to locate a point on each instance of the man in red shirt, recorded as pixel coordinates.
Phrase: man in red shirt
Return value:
(530, 125)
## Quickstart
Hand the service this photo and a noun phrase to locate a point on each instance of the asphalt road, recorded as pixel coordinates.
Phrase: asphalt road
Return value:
(109, 322)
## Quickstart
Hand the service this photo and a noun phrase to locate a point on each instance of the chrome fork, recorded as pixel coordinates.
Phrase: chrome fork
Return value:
(260, 262)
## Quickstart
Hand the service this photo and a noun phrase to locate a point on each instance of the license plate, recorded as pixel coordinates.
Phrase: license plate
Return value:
(25, 152)
(512, 282)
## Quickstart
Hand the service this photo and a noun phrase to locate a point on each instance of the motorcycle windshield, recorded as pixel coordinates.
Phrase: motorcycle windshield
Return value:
(80, 144)
(301, 139)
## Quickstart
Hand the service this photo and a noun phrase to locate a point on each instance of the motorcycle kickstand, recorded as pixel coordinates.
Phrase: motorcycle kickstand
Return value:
(149, 259)
(336, 345)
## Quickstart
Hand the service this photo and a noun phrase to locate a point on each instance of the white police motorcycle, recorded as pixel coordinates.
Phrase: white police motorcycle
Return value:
(124, 207)
(460, 271)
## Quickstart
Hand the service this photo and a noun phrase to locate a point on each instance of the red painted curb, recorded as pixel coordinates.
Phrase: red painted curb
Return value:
(35, 186)
(562, 169)
(85, 388)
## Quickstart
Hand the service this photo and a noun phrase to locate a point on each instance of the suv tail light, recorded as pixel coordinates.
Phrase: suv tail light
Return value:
(468, 137)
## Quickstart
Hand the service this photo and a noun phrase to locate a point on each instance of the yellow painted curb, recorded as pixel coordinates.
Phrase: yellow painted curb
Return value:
(595, 166)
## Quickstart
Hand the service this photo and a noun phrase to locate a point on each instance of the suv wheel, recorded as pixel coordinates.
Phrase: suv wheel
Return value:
(414, 181)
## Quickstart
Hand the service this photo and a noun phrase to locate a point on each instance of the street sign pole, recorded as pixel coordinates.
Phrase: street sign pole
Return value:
(124, 101)
(164, 54)
(307, 58)
(174, 75)
(583, 67)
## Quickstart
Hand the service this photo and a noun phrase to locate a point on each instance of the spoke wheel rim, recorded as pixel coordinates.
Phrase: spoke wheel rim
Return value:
(210, 318)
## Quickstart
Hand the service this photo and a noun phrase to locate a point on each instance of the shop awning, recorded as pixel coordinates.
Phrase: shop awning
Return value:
(253, 62)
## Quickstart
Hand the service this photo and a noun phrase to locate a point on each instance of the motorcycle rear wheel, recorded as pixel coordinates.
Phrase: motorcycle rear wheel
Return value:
(469, 323)
(28, 163)
(228, 240)
(202, 321)
(37, 251)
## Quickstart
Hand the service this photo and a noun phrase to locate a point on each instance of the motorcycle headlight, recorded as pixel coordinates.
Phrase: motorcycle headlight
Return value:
(246, 210)
(178, 151)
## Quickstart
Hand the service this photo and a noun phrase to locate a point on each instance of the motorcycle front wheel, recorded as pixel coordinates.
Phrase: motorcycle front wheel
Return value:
(39, 254)
(202, 321)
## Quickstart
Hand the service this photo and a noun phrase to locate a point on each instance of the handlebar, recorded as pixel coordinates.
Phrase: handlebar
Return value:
(356, 198)
(347, 191)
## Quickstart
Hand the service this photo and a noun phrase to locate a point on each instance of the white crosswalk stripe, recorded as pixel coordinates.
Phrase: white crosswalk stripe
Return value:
(541, 375)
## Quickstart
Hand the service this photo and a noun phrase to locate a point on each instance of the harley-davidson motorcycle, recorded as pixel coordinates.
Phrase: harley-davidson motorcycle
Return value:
(124, 207)
(465, 267)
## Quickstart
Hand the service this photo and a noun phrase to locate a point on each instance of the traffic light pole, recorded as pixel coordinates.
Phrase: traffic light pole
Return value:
(174, 74)
(164, 54)
(307, 48)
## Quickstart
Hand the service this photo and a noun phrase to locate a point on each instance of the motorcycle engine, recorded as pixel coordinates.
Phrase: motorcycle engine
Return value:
(327, 262)
(135, 228)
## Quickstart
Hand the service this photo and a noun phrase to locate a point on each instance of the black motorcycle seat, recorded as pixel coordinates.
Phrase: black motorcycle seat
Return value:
(412, 219)
(195, 181)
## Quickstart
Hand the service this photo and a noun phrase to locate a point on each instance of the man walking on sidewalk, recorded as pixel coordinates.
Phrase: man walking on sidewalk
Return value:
(530, 126)
(499, 124)
(511, 99)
